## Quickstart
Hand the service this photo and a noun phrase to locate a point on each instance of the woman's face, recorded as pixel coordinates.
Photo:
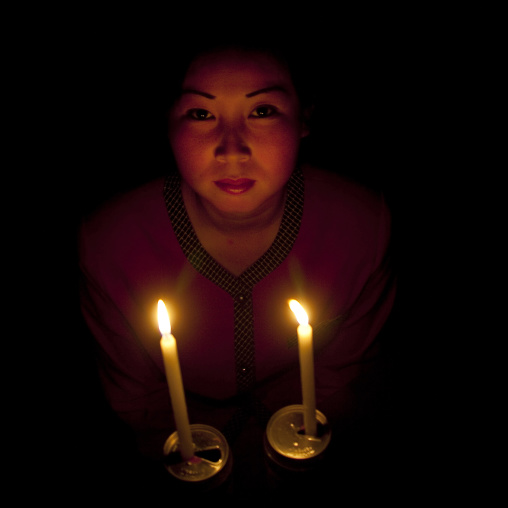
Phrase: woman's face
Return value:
(235, 130)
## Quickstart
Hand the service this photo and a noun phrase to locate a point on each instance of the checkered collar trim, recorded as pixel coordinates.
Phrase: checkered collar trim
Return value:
(206, 265)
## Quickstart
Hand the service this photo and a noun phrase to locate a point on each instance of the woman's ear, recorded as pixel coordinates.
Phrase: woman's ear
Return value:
(306, 116)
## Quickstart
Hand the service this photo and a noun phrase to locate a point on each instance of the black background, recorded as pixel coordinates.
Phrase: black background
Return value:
(385, 116)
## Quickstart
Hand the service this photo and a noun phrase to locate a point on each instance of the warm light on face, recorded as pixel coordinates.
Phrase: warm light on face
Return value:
(299, 311)
(163, 317)
(217, 134)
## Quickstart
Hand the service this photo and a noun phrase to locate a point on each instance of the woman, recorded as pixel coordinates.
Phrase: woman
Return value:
(242, 227)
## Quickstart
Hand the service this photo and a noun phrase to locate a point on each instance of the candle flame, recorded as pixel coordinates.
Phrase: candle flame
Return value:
(299, 311)
(163, 317)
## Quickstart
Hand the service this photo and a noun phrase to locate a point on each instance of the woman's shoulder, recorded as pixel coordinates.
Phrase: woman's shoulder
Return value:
(126, 212)
(333, 189)
(129, 202)
(340, 208)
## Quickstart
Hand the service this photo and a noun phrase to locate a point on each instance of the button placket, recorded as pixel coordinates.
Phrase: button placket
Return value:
(240, 289)
(244, 340)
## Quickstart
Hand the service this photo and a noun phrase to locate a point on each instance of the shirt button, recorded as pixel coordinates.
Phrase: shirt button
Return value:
(241, 298)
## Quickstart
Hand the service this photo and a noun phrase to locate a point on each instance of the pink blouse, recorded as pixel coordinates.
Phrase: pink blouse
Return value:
(236, 336)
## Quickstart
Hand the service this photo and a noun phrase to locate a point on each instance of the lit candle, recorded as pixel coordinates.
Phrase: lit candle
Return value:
(174, 378)
(305, 350)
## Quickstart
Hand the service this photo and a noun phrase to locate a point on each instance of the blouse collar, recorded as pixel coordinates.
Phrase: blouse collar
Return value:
(207, 266)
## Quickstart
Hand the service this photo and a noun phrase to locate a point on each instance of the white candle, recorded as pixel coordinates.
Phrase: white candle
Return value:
(175, 384)
(306, 354)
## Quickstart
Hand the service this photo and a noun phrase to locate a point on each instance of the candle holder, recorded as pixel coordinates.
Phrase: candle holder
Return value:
(211, 464)
(287, 446)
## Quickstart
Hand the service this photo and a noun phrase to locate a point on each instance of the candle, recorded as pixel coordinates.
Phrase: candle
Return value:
(175, 384)
(305, 351)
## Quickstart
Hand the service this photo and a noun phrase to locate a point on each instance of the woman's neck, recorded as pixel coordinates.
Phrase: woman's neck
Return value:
(203, 214)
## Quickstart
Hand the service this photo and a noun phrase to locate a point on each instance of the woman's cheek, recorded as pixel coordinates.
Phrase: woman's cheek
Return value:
(189, 145)
(281, 145)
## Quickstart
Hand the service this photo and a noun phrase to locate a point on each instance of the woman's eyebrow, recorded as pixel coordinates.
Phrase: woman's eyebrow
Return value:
(197, 92)
(276, 88)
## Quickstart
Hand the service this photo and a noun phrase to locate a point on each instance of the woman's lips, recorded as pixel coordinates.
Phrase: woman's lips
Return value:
(235, 186)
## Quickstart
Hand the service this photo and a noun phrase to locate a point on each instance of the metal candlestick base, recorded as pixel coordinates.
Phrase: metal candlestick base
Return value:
(288, 446)
(211, 463)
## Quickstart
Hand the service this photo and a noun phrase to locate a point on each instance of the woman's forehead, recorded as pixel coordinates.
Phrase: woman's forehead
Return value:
(236, 69)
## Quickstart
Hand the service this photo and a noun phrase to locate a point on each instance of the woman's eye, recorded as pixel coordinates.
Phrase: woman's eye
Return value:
(200, 114)
(264, 111)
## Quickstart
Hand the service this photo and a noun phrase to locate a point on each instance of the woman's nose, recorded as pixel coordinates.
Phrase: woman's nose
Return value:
(232, 146)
